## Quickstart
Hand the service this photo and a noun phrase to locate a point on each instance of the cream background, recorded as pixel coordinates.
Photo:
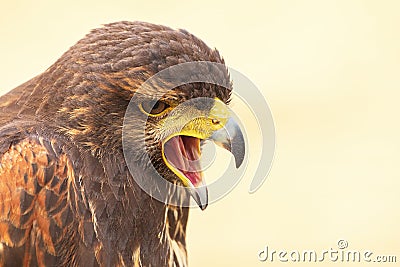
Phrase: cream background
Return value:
(330, 72)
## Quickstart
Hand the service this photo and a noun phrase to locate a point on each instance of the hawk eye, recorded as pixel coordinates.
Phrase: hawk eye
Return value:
(153, 107)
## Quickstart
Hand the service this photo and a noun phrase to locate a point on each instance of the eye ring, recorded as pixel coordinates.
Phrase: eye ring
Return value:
(153, 108)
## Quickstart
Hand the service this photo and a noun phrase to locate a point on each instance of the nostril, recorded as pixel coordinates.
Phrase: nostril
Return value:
(215, 121)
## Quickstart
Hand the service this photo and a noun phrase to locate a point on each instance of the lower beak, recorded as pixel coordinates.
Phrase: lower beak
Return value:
(200, 195)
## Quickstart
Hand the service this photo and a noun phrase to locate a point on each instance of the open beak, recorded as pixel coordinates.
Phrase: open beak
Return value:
(182, 154)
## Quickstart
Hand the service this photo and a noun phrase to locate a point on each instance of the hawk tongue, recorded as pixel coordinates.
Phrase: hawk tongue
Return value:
(183, 153)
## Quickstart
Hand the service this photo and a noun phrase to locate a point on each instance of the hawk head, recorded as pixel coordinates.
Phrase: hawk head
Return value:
(102, 74)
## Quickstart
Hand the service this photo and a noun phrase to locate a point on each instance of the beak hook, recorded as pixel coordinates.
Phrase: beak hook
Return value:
(231, 138)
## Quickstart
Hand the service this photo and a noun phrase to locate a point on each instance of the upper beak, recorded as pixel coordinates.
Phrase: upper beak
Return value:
(231, 138)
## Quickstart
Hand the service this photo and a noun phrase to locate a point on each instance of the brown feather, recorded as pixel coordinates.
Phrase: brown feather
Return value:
(66, 195)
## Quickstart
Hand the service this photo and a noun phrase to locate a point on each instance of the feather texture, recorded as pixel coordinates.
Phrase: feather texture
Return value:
(67, 197)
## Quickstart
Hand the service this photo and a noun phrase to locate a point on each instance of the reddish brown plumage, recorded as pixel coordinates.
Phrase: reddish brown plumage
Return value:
(33, 186)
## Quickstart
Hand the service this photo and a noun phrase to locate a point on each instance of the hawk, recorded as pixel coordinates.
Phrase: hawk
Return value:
(67, 196)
